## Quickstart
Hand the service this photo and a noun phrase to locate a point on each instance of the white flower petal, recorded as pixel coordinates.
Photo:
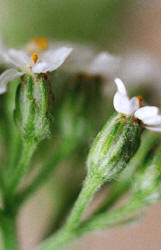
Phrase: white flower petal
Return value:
(146, 112)
(123, 104)
(105, 64)
(156, 128)
(40, 67)
(17, 58)
(120, 86)
(6, 77)
(134, 104)
(154, 120)
(51, 60)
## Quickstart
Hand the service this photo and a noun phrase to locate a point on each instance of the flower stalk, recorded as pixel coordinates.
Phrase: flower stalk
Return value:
(9, 233)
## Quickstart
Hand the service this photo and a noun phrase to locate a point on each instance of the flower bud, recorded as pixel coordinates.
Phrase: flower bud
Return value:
(113, 147)
(31, 109)
(147, 182)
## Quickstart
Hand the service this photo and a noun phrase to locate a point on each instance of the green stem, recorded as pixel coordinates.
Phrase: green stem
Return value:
(9, 234)
(112, 218)
(15, 149)
(58, 240)
(62, 151)
(105, 220)
(91, 185)
(22, 167)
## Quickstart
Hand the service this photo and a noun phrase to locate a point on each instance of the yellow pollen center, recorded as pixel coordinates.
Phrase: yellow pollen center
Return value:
(41, 42)
(140, 99)
(34, 57)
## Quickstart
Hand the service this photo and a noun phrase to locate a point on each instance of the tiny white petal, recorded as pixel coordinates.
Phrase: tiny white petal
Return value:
(17, 58)
(121, 101)
(146, 112)
(120, 86)
(6, 77)
(156, 128)
(105, 64)
(154, 120)
(123, 104)
(51, 60)
(40, 67)
(134, 104)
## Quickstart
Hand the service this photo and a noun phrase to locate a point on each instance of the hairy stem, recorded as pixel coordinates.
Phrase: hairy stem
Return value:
(91, 185)
(62, 151)
(20, 171)
(105, 220)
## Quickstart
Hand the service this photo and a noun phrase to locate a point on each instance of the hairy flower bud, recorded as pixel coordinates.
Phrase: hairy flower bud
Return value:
(113, 147)
(31, 109)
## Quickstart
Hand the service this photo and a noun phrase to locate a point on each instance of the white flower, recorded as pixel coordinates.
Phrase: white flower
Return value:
(49, 61)
(87, 60)
(102, 64)
(105, 64)
(149, 115)
(139, 67)
(84, 59)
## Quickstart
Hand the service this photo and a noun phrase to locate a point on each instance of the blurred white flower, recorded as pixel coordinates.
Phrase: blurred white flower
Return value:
(105, 64)
(87, 62)
(138, 67)
(49, 61)
(84, 59)
(149, 115)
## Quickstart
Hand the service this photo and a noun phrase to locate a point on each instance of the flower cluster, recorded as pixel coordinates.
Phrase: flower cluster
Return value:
(78, 113)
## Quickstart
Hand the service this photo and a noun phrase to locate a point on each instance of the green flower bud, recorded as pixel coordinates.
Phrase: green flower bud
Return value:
(77, 108)
(114, 146)
(146, 184)
(32, 107)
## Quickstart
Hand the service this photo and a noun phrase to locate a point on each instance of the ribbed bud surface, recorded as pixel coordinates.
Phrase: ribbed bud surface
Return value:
(31, 112)
(114, 146)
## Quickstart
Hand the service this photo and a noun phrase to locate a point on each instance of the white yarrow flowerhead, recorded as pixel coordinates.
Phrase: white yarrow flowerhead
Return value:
(22, 63)
(148, 115)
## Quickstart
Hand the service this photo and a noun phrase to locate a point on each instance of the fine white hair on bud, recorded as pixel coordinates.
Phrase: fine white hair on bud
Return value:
(32, 108)
(113, 147)
(149, 115)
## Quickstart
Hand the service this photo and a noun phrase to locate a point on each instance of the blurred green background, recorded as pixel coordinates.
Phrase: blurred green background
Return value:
(101, 22)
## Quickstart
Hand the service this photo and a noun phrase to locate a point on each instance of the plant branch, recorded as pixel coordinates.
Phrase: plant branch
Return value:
(9, 234)
(20, 171)
(62, 151)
